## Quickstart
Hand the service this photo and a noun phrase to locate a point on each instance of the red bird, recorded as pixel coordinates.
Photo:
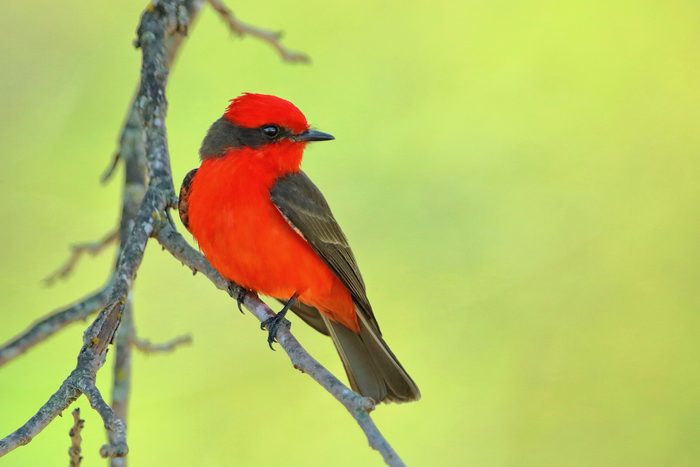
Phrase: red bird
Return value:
(263, 224)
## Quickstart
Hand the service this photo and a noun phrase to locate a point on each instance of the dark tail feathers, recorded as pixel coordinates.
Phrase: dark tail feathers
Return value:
(372, 368)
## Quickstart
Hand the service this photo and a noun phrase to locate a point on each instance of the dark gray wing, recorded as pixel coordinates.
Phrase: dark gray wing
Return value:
(306, 210)
(183, 200)
(372, 368)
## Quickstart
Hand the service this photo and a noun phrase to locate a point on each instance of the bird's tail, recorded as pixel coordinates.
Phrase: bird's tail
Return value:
(372, 368)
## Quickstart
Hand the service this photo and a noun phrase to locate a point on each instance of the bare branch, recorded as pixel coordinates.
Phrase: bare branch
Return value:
(116, 429)
(148, 347)
(51, 324)
(132, 152)
(111, 168)
(274, 38)
(57, 403)
(76, 439)
(77, 252)
(121, 375)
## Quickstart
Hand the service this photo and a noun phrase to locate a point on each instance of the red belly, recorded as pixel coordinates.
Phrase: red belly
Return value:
(248, 241)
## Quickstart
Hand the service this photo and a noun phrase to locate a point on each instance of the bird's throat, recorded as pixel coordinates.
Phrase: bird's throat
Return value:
(263, 165)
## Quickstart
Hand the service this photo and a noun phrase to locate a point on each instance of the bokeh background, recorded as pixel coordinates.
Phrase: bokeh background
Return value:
(519, 183)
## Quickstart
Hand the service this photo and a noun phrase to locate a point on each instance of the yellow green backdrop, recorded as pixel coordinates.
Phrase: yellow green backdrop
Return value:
(518, 181)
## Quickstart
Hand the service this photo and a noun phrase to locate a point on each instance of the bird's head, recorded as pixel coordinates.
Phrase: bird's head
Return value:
(264, 126)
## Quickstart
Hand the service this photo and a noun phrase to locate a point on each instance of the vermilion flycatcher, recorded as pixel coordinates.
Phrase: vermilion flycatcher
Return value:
(263, 224)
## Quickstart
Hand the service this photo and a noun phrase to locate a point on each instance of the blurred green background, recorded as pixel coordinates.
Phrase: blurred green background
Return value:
(518, 181)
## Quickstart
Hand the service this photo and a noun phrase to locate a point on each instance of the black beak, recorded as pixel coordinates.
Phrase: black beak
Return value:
(312, 135)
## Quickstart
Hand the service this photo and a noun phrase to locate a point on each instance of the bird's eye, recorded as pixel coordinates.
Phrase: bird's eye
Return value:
(270, 131)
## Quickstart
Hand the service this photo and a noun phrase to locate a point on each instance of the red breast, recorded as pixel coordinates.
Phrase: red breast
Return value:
(247, 240)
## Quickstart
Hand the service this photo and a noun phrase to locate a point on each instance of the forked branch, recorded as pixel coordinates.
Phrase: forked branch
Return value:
(274, 38)
(77, 252)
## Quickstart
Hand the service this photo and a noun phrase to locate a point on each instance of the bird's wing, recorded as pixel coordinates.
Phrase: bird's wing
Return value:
(184, 198)
(306, 210)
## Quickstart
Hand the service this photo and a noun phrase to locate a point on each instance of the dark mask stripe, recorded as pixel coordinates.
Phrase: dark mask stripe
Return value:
(224, 135)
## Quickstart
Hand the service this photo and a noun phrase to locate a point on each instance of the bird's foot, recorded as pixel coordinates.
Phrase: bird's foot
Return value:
(238, 292)
(240, 297)
(272, 325)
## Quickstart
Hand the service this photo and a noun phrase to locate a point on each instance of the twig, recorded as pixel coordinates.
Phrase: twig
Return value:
(274, 38)
(148, 347)
(54, 322)
(76, 439)
(114, 162)
(133, 153)
(77, 252)
(121, 376)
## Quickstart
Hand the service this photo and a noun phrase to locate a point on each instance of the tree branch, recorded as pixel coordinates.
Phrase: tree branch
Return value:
(109, 171)
(121, 378)
(274, 38)
(77, 252)
(59, 401)
(146, 346)
(116, 429)
(133, 153)
(75, 438)
(54, 322)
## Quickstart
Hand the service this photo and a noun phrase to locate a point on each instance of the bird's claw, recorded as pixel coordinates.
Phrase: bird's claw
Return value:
(272, 325)
(238, 292)
(240, 297)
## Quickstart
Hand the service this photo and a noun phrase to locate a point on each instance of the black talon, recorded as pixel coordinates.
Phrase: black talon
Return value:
(274, 323)
(240, 296)
(238, 292)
